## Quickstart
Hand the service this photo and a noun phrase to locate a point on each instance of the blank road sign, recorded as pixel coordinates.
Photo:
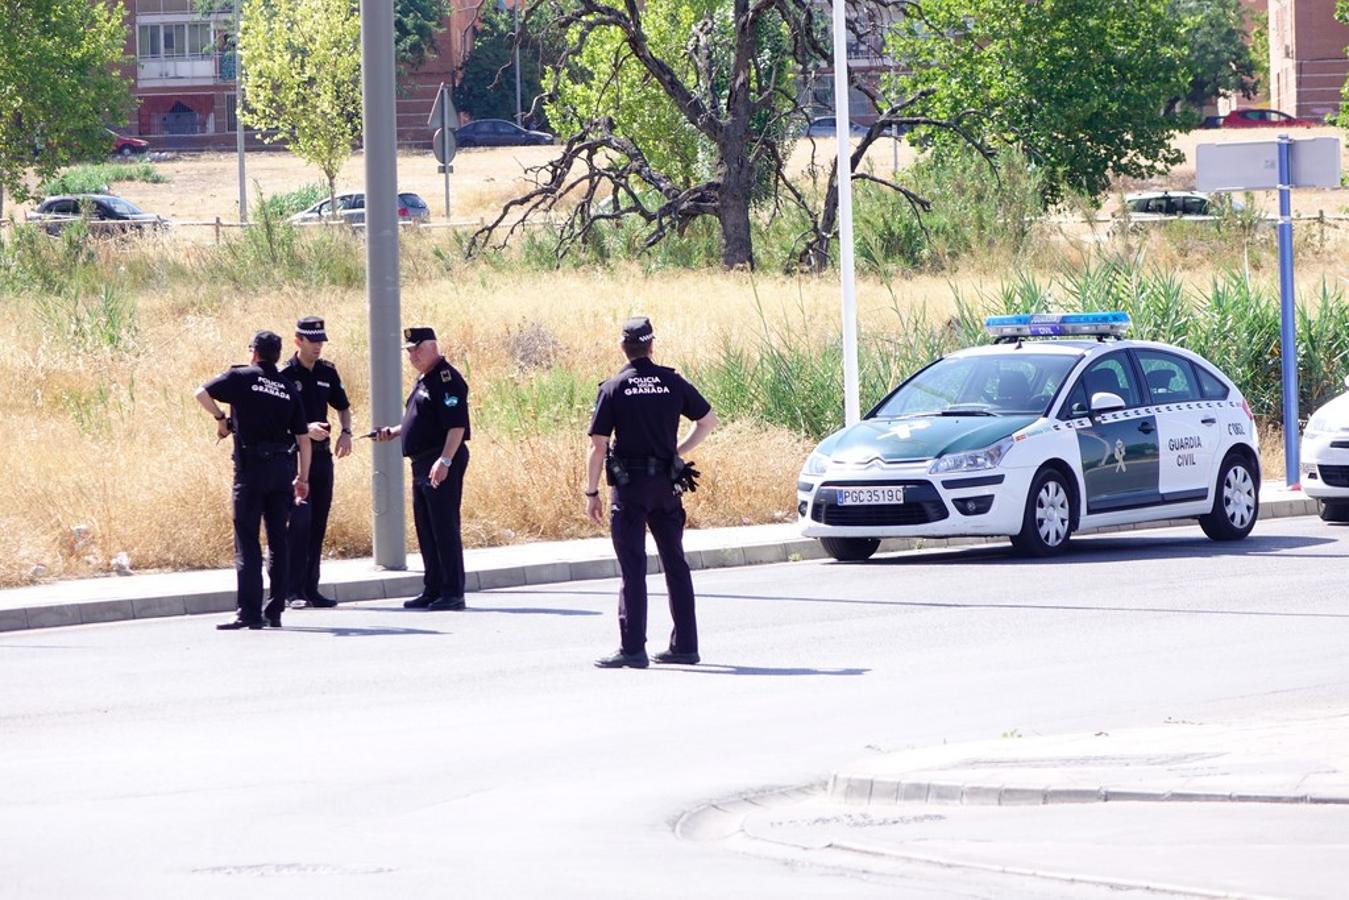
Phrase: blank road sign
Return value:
(1254, 165)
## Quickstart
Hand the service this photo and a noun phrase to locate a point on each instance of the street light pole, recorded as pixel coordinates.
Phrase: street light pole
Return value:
(519, 115)
(842, 128)
(239, 109)
(381, 281)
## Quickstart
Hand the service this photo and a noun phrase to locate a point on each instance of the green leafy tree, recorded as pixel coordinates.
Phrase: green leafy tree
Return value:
(1217, 56)
(302, 78)
(60, 84)
(1080, 86)
(416, 24)
(485, 88)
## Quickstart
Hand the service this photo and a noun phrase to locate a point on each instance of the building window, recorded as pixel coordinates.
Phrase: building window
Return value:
(175, 40)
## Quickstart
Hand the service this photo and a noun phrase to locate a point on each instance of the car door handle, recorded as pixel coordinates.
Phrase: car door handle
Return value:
(1146, 427)
(1209, 420)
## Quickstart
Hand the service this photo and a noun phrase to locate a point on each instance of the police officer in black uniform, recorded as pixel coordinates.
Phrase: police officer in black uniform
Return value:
(320, 387)
(641, 407)
(268, 423)
(435, 432)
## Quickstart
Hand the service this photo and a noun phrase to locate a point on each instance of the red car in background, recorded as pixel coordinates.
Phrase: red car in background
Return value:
(1265, 118)
(122, 145)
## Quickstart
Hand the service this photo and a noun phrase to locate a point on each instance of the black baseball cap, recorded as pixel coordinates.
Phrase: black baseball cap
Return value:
(311, 329)
(637, 330)
(414, 336)
(266, 343)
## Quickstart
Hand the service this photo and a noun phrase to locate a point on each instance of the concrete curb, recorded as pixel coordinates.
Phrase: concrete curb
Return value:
(383, 585)
(864, 791)
(726, 823)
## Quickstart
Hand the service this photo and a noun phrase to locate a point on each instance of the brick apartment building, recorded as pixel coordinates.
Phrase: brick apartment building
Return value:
(1307, 65)
(184, 72)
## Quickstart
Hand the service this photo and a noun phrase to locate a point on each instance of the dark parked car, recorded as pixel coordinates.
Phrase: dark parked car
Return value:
(106, 214)
(499, 133)
(1265, 118)
(351, 208)
(124, 145)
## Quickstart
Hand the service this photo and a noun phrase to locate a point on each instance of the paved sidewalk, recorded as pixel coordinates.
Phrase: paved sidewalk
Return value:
(158, 594)
(1227, 809)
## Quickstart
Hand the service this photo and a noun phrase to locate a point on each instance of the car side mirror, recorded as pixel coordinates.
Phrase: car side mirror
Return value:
(1104, 402)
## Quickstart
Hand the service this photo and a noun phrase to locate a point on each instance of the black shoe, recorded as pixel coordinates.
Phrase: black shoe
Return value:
(238, 624)
(448, 603)
(271, 613)
(421, 602)
(680, 659)
(622, 660)
(318, 601)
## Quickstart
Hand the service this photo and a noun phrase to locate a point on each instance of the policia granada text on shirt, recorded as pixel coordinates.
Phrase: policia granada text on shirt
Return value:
(641, 407)
(435, 432)
(268, 424)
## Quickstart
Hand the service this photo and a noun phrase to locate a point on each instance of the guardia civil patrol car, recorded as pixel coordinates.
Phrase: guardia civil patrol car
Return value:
(1325, 458)
(1036, 439)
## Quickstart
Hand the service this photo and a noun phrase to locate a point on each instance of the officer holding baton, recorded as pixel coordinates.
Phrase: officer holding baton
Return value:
(435, 432)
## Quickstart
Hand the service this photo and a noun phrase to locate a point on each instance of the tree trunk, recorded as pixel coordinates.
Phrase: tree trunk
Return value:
(737, 182)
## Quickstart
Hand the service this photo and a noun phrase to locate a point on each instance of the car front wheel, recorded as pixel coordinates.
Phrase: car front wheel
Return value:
(1335, 510)
(850, 549)
(1048, 521)
(1236, 502)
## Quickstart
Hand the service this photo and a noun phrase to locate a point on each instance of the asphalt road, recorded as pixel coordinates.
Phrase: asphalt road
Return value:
(370, 751)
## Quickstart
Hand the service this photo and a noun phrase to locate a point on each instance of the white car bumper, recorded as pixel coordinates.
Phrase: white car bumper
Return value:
(1325, 465)
(950, 505)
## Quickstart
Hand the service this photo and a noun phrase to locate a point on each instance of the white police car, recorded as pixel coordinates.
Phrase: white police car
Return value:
(1037, 439)
(1325, 458)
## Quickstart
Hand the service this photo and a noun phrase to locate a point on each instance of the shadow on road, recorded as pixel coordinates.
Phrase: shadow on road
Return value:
(360, 632)
(720, 669)
(1090, 549)
(510, 610)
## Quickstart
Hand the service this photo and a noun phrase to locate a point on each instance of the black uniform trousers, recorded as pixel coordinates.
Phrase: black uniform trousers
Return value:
(435, 511)
(308, 525)
(263, 494)
(649, 501)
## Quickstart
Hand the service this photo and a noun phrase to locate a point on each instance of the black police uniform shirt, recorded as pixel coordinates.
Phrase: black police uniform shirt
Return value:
(643, 403)
(438, 402)
(319, 387)
(264, 406)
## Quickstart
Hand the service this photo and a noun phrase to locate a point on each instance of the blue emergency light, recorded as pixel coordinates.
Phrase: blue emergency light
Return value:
(1096, 324)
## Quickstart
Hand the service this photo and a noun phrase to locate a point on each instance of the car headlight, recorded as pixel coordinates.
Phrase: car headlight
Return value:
(1319, 422)
(816, 464)
(973, 460)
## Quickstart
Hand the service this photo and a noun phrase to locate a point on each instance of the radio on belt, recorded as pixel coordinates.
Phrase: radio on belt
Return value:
(1097, 324)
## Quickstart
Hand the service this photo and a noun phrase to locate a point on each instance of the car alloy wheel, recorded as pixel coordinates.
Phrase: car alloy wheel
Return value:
(1051, 514)
(1239, 496)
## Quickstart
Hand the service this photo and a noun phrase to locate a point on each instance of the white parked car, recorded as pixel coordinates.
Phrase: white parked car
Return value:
(1036, 439)
(1325, 458)
(1149, 206)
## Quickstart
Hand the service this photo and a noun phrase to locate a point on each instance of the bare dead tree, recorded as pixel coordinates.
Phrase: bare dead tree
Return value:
(736, 101)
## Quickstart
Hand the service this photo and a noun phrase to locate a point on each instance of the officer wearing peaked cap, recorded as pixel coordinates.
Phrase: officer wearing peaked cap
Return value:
(435, 432)
(268, 424)
(320, 386)
(641, 407)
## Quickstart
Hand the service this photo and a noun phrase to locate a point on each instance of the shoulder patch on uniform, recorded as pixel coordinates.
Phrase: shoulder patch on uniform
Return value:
(297, 385)
(446, 375)
(451, 400)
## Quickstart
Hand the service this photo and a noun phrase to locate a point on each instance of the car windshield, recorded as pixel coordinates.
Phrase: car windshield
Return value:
(1018, 383)
(122, 207)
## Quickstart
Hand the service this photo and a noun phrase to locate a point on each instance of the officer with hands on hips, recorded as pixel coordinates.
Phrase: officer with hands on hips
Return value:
(268, 423)
(641, 407)
(435, 432)
(320, 386)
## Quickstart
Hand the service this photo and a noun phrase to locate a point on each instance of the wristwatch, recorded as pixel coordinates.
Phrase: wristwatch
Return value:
(221, 417)
(594, 493)
(446, 461)
(346, 431)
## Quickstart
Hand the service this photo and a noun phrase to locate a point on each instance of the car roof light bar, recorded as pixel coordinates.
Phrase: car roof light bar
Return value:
(1097, 324)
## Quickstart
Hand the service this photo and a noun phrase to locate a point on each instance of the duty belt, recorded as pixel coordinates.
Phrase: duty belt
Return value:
(268, 449)
(651, 465)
